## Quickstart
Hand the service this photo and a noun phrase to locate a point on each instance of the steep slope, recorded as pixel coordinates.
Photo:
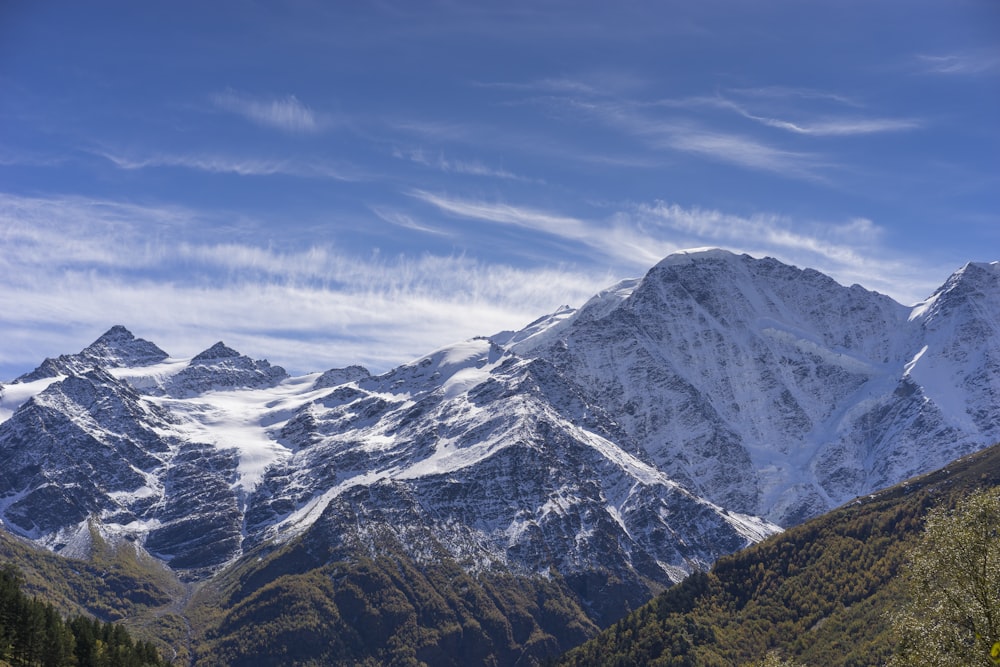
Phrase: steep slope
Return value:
(116, 348)
(777, 392)
(90, 448)
(819, 593)
(465, 443)
(113, 584)
(337, 596)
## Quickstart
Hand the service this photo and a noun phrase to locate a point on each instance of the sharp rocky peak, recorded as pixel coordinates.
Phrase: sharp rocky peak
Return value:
(975, 285)
(115, 348)
(218, 351)
(222, 368)
(119, 347)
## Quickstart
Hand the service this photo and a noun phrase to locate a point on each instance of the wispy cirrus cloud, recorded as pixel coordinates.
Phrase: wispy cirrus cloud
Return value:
(452, 166)
(609, 82)
(968, 63)
(221, 164)
(75, 266)
(616, 238)
(829, 126)
(287, 113)
(639, 235)
(689, 135)
(794, 92)
(680, 124)
(498, 212)
(749, 152)
(841, 126)
(825, 125)
(405, 220)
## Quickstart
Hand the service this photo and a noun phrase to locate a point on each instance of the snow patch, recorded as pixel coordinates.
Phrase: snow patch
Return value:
(13, 396)
(247, 420)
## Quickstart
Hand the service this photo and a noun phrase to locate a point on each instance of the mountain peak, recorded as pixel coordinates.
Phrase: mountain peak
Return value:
(975, 281)
(220, 367)
(218, 351)
(118, 347)
(699, 254)
(117, 332)
(115, 348)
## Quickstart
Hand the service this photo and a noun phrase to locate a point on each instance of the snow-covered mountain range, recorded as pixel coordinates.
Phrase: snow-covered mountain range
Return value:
(668, 421)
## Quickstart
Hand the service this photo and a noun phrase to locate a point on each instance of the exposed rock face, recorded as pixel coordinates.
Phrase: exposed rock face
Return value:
(668, 421)
(221, 367)
(90, 448)
(777, 392)
(84, 447)
(117, 348)
(338, 376)
(502, 479)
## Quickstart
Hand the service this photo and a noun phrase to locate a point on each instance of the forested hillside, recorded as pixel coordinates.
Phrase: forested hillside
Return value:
(819, 594)
(112, 584)
(32, 632)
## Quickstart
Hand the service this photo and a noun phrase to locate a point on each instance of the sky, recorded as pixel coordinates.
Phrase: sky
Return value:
(329, 183)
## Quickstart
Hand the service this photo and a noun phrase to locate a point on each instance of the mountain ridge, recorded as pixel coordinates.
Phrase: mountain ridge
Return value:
(669, 421)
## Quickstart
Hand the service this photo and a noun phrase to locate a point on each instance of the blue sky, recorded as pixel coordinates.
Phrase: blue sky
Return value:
(326, 183)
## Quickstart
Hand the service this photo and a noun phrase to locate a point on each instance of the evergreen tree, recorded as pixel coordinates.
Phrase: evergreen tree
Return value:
(32, 633)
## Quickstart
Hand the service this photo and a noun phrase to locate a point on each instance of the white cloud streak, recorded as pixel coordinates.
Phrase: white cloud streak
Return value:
(405, 220)
(615, 239)
(829, 126)
(787, 92)
(557, 225)
(695, 137)
(219, 164)
(747, 152)
(960, 64)
(663, 125)
(452, 166)
(841, 127)
(286, 114)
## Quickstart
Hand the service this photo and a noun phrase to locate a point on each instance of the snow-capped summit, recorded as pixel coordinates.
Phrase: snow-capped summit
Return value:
(693, 255)
(116, 348)
(972, 283)
(221, 367)
(218, 351)
(771, 389)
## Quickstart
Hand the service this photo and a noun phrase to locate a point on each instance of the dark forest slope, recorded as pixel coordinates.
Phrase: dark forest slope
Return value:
(818, 593)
